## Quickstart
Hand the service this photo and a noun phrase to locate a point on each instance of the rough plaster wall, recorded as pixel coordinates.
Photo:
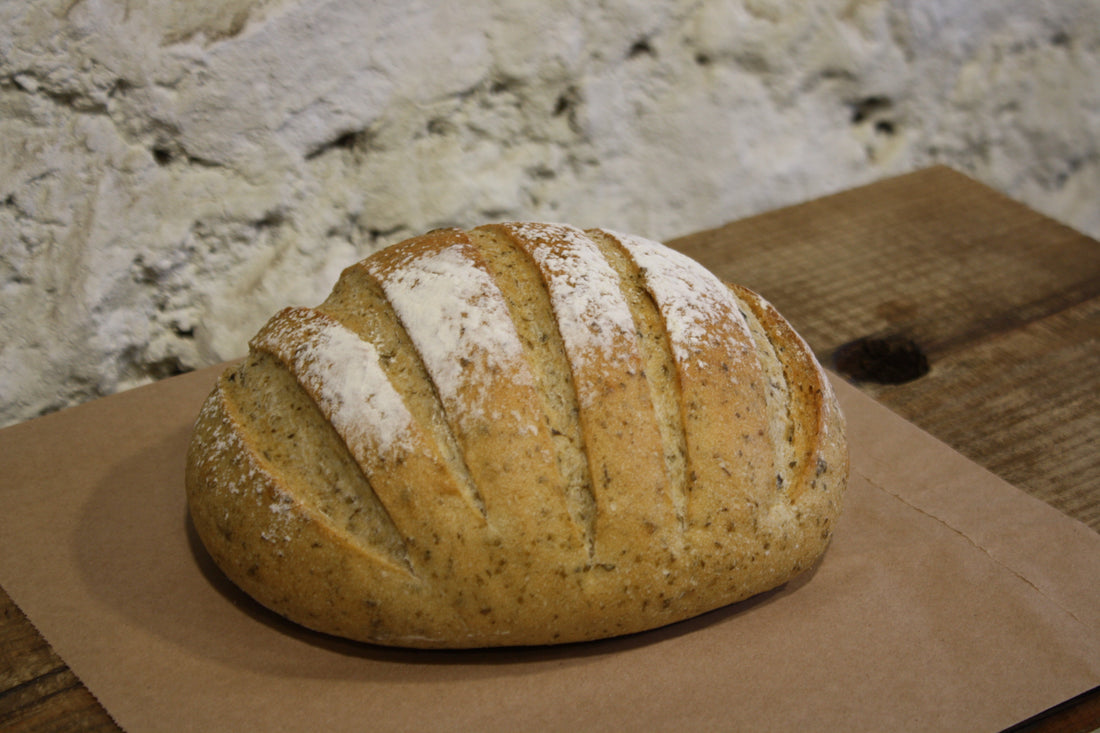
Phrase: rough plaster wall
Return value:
(173, 173)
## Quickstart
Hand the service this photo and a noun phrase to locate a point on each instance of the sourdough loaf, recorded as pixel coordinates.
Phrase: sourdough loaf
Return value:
(520, 434)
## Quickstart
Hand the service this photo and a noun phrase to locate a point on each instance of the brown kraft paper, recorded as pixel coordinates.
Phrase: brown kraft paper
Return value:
(947, 600)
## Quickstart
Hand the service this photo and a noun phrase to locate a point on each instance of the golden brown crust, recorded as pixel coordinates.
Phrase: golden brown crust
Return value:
(522, 434)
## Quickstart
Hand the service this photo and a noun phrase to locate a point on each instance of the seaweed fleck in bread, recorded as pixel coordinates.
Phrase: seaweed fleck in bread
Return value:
(520, 434)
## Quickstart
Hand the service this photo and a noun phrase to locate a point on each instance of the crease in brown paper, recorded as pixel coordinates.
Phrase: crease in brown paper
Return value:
(973, 543)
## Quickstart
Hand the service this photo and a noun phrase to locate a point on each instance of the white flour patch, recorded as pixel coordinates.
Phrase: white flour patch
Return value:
(345, 375)
(699, 311)
(459, 323)
(592, 314)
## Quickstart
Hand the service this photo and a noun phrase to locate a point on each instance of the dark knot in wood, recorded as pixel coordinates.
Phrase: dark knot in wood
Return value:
(883, 360)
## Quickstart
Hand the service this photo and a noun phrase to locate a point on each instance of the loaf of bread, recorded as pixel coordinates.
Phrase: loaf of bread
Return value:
(519, 434)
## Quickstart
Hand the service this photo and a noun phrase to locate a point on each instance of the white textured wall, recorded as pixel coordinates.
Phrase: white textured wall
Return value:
(173, 172)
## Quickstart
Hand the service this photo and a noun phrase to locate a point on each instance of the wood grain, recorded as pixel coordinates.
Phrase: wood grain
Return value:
(1004, 302)
(38, 692)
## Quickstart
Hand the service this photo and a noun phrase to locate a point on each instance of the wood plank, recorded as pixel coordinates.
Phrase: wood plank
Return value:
(931, 254)
(1024, 403)
(1000, 299)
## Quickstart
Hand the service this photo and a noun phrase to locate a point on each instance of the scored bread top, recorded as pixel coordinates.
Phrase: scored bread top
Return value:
(521, 434)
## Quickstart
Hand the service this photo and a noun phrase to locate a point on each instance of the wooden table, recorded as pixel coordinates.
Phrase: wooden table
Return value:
(1002, 304)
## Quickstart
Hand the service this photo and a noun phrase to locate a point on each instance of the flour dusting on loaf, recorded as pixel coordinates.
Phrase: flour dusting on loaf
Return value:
(343, 374)
(591, 313)
(520, 434)
(696, 306)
